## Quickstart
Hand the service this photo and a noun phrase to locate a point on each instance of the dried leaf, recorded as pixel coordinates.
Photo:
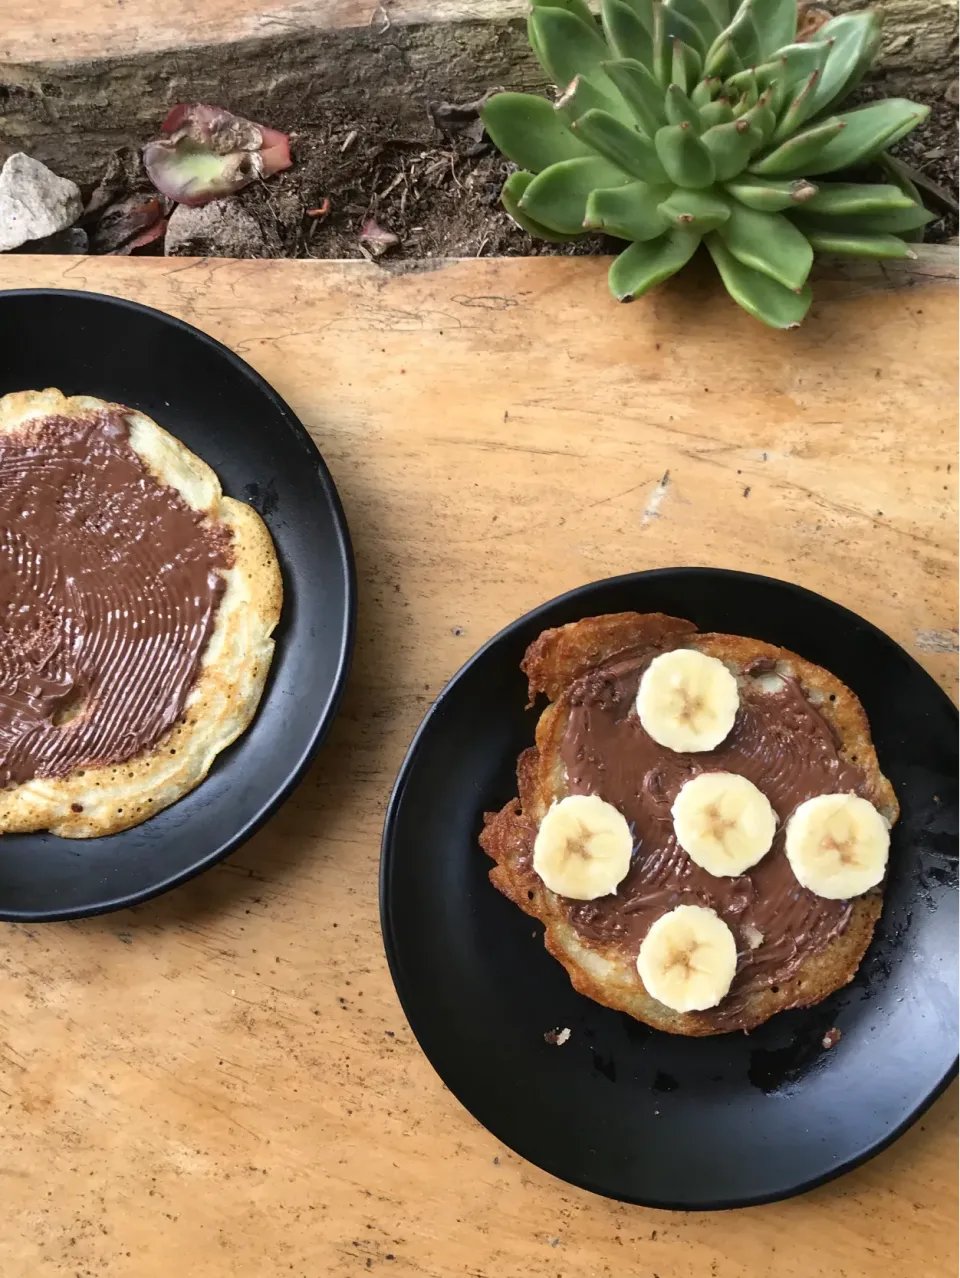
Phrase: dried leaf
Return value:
(810, 18)
(376, 238)
(127, 220)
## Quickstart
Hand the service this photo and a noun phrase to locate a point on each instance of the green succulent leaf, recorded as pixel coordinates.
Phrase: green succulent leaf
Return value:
(855, 38)
(769, 243)
(565, 46)
(686, 160)
(719, 112)
(680, 110)
(557, 197)
(629, 149)
(757, 293)
(706, 91)
(749, 94)
(645, 11)
(793, 63)
(799, 110)
(906, 127)
(582, 95)
(762, 122)
(579, 8)
(630, 212)
(529, 131)
(722, 11)
(676, 26)
(729, 145)
(775, 22)
(866, 131)
(626, 34)
(721, 58)
(851, 245)
(795, 156)
(855, 197)
(890, 221)
(902, 175)
(741, 82)
(743, 35)
(642, 265)
(696, 210)
(770, 195)
(687, 65)
(641, 91)
(513, 191)
(699, 15)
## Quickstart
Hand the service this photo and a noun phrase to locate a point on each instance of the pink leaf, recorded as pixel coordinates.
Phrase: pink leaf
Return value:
(207, 153)
(376, 238)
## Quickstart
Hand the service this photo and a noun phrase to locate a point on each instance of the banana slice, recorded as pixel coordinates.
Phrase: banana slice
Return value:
(837, 845)
(723, 822)
(688, 959)
(583, 847)
(687, 701)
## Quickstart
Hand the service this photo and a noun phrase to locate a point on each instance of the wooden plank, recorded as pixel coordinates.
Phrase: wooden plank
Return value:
(41, 30)
(102, 29)
(221, 1082)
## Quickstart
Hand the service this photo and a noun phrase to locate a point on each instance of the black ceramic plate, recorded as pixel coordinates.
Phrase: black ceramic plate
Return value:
(625, 1110)
(83, 343)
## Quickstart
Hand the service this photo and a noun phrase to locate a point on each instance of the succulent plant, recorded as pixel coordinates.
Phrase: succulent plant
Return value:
(686, 120)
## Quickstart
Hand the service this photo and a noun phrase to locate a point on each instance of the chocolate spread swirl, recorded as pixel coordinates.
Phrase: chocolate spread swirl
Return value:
(782, 744)
(109, 587)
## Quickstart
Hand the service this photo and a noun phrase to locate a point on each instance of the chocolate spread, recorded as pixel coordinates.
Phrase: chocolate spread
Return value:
(109, 587)
(782, 744)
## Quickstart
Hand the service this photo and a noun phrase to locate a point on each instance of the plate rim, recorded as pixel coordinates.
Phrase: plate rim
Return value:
(405, 994)
(347, 564)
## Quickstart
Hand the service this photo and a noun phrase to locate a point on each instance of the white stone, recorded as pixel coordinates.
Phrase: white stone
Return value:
(222, 228)
(34, 202)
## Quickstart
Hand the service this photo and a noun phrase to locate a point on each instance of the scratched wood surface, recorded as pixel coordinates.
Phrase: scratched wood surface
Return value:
(47, 30)
(221, 1082)
(50, 29)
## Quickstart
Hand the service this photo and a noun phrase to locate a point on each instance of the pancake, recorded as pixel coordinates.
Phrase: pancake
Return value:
(599, 948)
(197, 666)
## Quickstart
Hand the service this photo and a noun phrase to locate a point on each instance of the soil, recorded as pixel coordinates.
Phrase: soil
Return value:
(436, 192)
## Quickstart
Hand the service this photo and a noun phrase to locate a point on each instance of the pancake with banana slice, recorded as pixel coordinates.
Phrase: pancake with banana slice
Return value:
(702, 825)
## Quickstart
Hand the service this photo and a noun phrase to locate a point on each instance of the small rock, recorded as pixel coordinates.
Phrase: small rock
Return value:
(557, 1037)
(952, 93)
(222, 228)
(34, 202)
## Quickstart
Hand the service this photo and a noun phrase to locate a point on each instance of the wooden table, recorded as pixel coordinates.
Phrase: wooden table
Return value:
(221, 1082)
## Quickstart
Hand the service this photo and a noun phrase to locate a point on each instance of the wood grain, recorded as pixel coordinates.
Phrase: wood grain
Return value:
(41, 30)
(221, 1082)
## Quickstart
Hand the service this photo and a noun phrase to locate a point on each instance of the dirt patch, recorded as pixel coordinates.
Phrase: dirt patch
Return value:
(437, 188)
(438, 193)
